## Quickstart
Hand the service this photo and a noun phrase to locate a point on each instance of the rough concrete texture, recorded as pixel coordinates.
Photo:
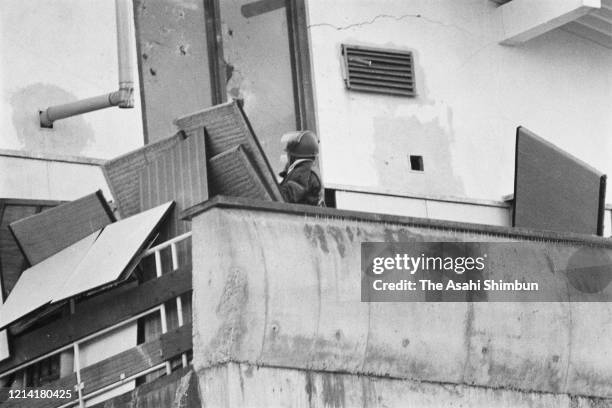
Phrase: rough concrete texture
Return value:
(243, 385)
(283, 290)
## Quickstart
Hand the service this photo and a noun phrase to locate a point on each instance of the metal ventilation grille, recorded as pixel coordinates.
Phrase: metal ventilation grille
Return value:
(379, 70)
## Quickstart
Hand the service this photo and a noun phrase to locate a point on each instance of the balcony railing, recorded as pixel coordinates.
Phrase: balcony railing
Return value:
(103, 314)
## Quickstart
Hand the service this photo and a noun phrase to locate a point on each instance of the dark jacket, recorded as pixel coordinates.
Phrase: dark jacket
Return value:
(302, 185)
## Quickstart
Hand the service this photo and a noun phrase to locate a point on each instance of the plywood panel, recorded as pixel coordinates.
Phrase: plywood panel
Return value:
(37, 285)
(227, 127)
(42, 235)
(12, 261)
(177, 174)
(233, 174)
(554, 190)
(95, 314)
(118, 366)
(97, 260)
(179, 389)
(137, 359)
(112, 253)
(122, 174)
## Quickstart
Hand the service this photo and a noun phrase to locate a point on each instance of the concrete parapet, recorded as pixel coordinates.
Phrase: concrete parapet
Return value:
(240, 385)
(278, 286)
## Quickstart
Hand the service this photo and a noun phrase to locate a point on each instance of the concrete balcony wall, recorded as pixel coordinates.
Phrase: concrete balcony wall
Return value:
(278, 319)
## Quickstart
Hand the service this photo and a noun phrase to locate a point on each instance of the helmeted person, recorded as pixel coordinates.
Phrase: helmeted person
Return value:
(301, 183)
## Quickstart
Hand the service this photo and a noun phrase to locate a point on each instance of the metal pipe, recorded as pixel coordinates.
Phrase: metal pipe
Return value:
(57, 112)
(125, 52)
(124, 97)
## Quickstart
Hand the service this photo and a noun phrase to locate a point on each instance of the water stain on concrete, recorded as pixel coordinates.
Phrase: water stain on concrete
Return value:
(231, 310)
(316, 235)
(310, 387)
(401, 235)
(333, 391)
(349, 233)
(337, 235)
(69, 136)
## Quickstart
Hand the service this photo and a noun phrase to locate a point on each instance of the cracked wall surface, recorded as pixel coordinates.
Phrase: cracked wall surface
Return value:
(472, 94)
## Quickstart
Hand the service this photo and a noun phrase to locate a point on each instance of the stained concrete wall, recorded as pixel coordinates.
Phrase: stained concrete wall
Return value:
(472, 94)
(55, 52)
(245, 385)
(279, 287)
(173, 59)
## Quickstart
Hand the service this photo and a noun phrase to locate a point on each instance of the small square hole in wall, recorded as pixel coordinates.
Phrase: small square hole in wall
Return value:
(416, 163)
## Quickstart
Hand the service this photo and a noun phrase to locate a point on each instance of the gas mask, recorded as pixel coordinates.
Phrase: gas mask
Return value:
(284, 160)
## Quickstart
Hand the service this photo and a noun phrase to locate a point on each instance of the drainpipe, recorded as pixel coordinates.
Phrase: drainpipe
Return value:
(122, 98)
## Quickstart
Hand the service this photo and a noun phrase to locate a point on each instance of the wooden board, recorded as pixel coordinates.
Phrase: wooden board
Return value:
(95, 314)
(554, 190)
(233, 174)
(122, 365)
(122, 173)
(177, 390)
(178, 174)
(12, 261)
(66, 383)
(227, 127)
(38, 284)
(42, 235)
(137, 359)
(113, 254)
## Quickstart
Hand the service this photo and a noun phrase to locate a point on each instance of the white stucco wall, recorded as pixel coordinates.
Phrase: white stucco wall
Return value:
(55, 52)
(45, 177)
(472, 94)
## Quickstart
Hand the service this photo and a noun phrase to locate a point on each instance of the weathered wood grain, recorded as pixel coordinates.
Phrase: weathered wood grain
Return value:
(122, 173)
(44, 234)
(227, 127)
(233, 174)
(179, 174)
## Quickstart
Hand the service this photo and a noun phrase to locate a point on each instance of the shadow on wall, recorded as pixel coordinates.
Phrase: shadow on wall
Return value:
(70, 136)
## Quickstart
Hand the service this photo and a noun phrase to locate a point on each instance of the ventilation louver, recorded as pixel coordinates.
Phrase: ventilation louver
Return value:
(379, 70)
